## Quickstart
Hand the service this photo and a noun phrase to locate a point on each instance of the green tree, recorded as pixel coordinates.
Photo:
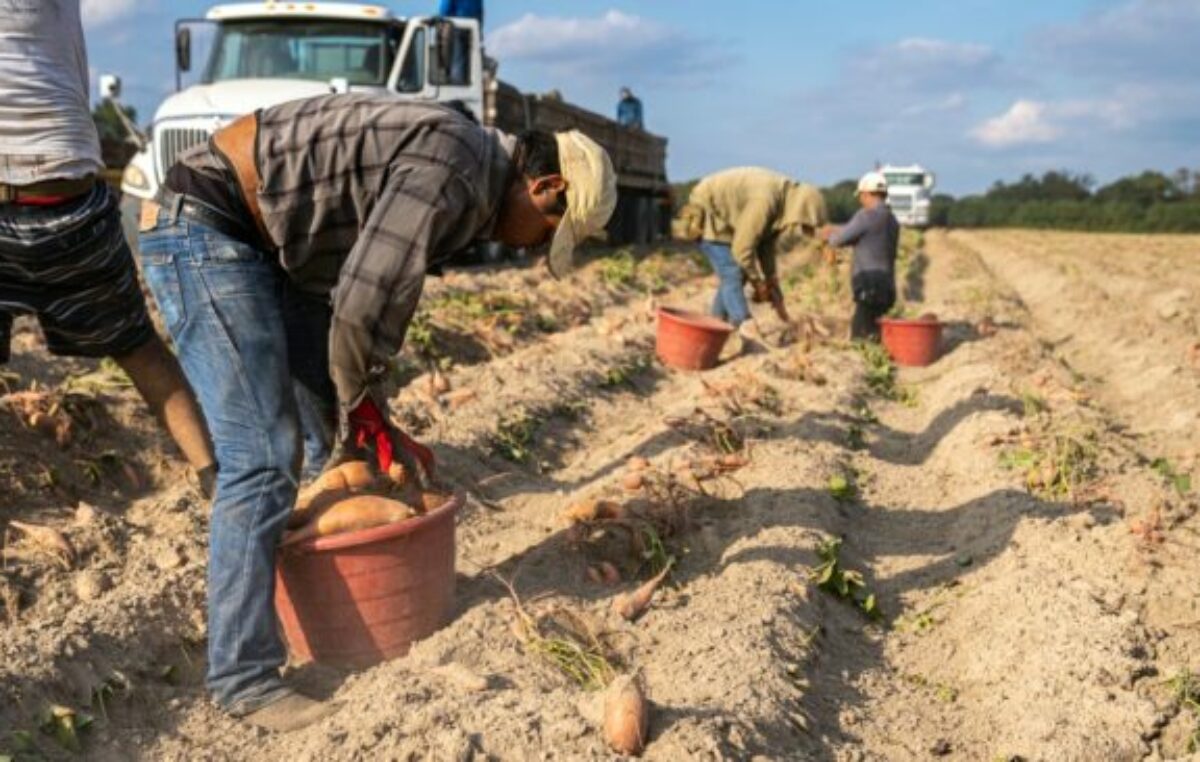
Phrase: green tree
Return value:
(1052, 186)
(1145, 189)
(841, 200)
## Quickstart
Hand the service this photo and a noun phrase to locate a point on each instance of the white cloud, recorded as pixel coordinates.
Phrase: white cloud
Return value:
(100, 12)
(1026, 122)
(1029, 122)
(612, 46)
(942, 52)
(542, 37)
(951, 103)
(924, 64)
(1113, 114)
(1128, 41)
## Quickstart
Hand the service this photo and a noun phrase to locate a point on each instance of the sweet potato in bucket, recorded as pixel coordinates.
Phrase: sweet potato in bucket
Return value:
(336, 483)
(351, 514)
(355, 496)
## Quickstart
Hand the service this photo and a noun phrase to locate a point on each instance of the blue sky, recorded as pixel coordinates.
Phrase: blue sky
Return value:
(977, 90)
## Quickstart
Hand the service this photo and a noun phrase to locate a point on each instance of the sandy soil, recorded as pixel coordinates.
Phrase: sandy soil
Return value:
(1034, 573)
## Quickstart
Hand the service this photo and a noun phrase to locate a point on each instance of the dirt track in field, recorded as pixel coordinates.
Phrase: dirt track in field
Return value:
(1035, 575)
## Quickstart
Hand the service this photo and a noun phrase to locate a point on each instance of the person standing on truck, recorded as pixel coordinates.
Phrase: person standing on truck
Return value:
(741, 218)
(629, 110)
(459, 47)
(466, 9)
(350, 200)
(63, 254)
(875, 235)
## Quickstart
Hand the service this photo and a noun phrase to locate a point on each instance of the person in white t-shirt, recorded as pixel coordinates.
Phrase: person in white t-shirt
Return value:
(63, 254)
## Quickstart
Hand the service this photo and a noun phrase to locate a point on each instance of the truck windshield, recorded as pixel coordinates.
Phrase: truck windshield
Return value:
(905, 178)
(304, 49)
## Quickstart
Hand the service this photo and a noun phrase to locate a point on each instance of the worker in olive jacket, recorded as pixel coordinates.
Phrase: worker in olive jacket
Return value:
(741, 216)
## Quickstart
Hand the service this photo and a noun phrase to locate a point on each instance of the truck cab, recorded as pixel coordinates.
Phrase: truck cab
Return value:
(910, 190)
(261, 54)
(245, 56)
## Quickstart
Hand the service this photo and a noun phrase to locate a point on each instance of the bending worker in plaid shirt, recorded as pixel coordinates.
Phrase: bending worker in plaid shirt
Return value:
(288, 257)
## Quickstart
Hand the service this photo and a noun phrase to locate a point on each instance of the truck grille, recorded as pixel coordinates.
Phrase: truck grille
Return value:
(173, 141)
(900, 202)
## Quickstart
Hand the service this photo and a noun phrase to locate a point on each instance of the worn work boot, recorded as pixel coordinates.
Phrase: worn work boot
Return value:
(292, 712)
(752, 338)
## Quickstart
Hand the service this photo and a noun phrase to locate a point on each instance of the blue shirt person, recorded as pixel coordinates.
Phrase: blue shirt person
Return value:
(460, 52)
(467, 9)
(629, 110)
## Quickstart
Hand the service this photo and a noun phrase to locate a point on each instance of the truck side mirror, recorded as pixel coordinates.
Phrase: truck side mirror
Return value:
(929, 180)
(183, 49)
(339, 85)
(110, 87)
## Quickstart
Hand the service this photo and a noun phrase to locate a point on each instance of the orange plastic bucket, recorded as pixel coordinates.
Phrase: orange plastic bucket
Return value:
(359, 598)
(689, 340)
(912, 342)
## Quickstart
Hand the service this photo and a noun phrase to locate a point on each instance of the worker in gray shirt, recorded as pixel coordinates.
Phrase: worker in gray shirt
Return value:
(875, 235)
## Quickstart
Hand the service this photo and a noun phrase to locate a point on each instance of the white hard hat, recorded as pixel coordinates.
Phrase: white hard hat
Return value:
(873, 182)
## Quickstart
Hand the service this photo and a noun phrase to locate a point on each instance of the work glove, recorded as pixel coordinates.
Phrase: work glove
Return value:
(367, 435)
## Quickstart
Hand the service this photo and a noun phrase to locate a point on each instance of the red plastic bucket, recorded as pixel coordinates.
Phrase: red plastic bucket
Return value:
(359, 598)
(912, 342)
(689, 340)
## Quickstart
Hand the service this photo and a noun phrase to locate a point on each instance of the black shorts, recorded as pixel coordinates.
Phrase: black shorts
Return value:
(70, 265)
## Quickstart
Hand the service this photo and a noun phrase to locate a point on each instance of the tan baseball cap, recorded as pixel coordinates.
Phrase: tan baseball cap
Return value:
(591, 196)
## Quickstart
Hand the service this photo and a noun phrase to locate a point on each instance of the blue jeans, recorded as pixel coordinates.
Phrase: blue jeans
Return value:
(730, 303)
(226, 306)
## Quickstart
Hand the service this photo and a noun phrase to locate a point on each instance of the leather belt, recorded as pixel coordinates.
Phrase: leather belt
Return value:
(182, 205)
(47, 191)
(237, 142)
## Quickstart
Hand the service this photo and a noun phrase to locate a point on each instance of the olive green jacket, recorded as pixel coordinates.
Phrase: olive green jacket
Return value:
(750, 208)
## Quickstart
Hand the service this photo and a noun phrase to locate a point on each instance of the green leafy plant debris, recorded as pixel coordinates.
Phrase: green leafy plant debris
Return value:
(1185, 690)
(880, 374)
(829, 575)
(619, 270)
(1055, 463)
(623, 374)
(65, 726)
(842, 487)
(514, 436)
(1181, 482)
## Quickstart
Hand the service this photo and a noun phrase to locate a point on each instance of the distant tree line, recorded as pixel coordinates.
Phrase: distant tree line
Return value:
(1152, 202)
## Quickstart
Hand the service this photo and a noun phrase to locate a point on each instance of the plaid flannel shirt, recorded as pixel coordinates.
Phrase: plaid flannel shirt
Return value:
(362, 194)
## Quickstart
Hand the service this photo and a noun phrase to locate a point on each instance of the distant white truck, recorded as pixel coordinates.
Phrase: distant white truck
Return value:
(910, 191)
(259, 54)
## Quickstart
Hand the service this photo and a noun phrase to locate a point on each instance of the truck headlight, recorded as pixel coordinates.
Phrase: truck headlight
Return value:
(135, 178)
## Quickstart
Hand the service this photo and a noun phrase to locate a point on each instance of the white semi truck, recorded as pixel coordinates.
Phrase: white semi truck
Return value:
(263, 53)
(910, 191)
